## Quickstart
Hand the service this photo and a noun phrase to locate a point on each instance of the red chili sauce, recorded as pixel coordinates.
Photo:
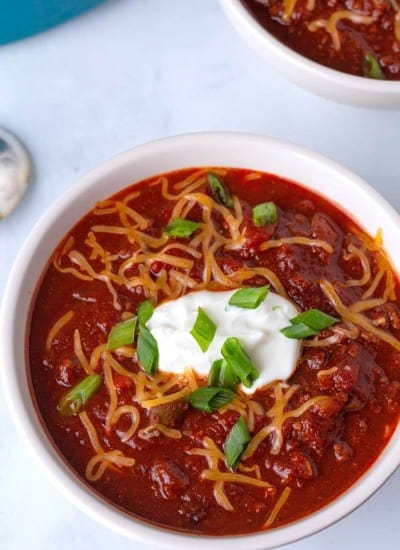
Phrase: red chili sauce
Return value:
(340, 34)
(324, 449)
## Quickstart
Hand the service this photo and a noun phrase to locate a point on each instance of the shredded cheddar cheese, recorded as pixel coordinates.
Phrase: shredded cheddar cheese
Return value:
(79, 353)
(356, 317)
(56, 328)
(332, 22)
(297, 240)
(275, 511)
(98, 464)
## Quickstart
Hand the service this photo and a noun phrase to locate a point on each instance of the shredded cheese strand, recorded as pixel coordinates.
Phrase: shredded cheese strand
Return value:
(356, 318)
(147, 404)
(228, 477)
(277, 508)
(79, 353)
(360, 254)
(330, 24)
(273, 243)
(56, 328)
(154, 430)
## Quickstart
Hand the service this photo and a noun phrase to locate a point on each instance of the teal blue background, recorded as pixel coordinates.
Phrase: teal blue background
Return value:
(21, 18)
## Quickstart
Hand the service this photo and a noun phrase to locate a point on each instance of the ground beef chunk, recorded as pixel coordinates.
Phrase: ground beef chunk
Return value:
(298, 468)
(169, 414)
(342, 451)
(198, 425)
(323, 228)
(386, 316)
(169, 480)
(317, 428)
(344, 370)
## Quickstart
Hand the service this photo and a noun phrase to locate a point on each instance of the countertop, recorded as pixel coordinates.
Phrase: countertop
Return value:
(125, 73)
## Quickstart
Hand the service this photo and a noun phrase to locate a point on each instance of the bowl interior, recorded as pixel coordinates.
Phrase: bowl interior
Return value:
(232, 150)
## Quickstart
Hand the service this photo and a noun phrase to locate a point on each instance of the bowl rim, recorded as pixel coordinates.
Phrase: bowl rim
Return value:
(31, 428)
(238, 11)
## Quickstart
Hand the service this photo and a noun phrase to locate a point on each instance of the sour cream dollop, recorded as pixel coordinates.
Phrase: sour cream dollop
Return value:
(273, 355)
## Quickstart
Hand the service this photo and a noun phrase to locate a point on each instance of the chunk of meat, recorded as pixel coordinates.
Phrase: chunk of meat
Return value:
(169, 479)
(315, 358)
(342, 370)
(342, 451)
(300, 467)
(169, 414)
(385, 316)
(323, 228)
(307, 294)
(198, 424)
(317, 428)
(257, 235)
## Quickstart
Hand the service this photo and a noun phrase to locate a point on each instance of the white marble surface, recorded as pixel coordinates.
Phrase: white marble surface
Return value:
(128, 72)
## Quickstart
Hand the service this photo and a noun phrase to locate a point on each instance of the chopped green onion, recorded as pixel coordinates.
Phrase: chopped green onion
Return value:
(219, 190)
(308, 323)
(203, 330)
(147, 350)
(249, 298)
(222, 374)
(181, 228)
(234, 354)
(79, 395)
(215, 372)
(210, 399)
(315, 319)
(236, 443)
(122, 334)
(298, 331)
(264, 214)
(228, 378)
(372, 68)
(144, 312)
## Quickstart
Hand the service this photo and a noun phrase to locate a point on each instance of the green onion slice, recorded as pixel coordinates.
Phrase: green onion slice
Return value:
(264, 214)
(181, 228)
(315, 319)
(222, 374)
(147, 350)
(372, 68)
(308, 323)
(122, 334)
(236, 443)
(215, 372)
(228, 378)
(203, 330)
(249, 298)
(241, 364)
(79, 395)
(210, 398)
(298, 331)
(219, 190)
(144, 312)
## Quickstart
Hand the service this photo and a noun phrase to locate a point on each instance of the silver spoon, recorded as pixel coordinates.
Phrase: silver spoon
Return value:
(15, 171)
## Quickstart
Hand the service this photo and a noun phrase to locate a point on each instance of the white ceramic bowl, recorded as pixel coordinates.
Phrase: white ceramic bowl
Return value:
(360, 91)
(204, 149)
